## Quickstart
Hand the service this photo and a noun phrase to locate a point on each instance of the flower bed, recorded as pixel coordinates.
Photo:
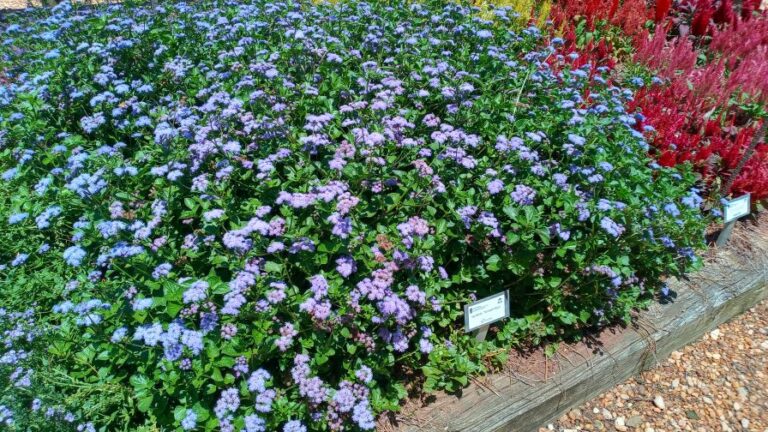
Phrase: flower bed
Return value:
(265, 216)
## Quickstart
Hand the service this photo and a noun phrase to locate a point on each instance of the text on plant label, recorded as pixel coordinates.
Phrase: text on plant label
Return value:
(486, 311)
(736, 208)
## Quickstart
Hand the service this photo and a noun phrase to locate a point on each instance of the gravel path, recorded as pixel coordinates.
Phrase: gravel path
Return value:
(720, 383)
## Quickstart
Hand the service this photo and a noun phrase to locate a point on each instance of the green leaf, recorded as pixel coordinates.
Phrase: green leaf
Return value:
(273, 267)
(566, 317)
(544, 235)
(140, 382)
(551, 349)
(512, 238)
(145, 403)
(190, 203)
(492, 263)
(584, 316)
(172, 309)
(554, 281)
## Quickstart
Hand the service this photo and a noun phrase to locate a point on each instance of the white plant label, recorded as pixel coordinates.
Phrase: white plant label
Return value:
(486, 311)
(736, 208)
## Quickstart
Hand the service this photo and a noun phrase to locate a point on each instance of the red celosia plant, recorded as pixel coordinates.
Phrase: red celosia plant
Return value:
(662, 9)
(724, 14)
(665, 58)
(702, 18)
(696, 114)
(749, 8)
(739, 40)
(683, 133)
(631, 16)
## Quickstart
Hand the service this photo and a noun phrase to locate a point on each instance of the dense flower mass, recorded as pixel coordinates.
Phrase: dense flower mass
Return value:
(254, 215)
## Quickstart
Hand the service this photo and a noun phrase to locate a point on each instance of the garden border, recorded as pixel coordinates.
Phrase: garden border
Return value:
(734, 280)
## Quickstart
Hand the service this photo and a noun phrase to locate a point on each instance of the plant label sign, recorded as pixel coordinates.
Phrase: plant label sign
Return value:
(733, 210)
(486, 311)
(736, 208)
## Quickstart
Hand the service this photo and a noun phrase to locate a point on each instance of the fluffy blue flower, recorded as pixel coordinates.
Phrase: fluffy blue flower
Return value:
(19, 260)
(17, 217)
(254, 423)
(74, 255)
(9, 174)
(294, 426)
(190, 420)
(611, 227)
(119, 334)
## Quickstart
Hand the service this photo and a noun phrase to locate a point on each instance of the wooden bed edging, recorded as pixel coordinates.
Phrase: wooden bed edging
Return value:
(732, 282)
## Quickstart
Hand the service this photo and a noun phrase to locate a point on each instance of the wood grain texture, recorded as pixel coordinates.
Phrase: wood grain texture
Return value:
(731, 283)
(11, 5)
(18, 4)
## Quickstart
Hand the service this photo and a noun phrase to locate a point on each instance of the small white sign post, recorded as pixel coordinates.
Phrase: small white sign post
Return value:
(732, 211)
(482, 313)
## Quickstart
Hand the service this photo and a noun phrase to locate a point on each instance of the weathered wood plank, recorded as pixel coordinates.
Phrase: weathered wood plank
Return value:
(725, 288)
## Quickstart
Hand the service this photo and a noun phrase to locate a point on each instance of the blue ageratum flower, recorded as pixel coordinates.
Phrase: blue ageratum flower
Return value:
(17, 217)
(119, 334)
(693, 199)
(672, 209)
(6, 416)
(484, 34)
(164, 133)
(294, 426)
(74, 255)
(254, 423)
(19, 260)
(611, 227)
(91, 123)
(190, 420)
(142, 304)
(523, 195)
(9, 174)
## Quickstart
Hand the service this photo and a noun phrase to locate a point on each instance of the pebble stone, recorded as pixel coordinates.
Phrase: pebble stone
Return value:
(659, 402)
(634, 421)
(619, 424)
(719, 383)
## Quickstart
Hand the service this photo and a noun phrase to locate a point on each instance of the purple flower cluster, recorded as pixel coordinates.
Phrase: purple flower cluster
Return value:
(611, 227)
(413, 227)
(190, 420)
(318, 305)
(228, 402)
(310, 387)
(523, 195)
